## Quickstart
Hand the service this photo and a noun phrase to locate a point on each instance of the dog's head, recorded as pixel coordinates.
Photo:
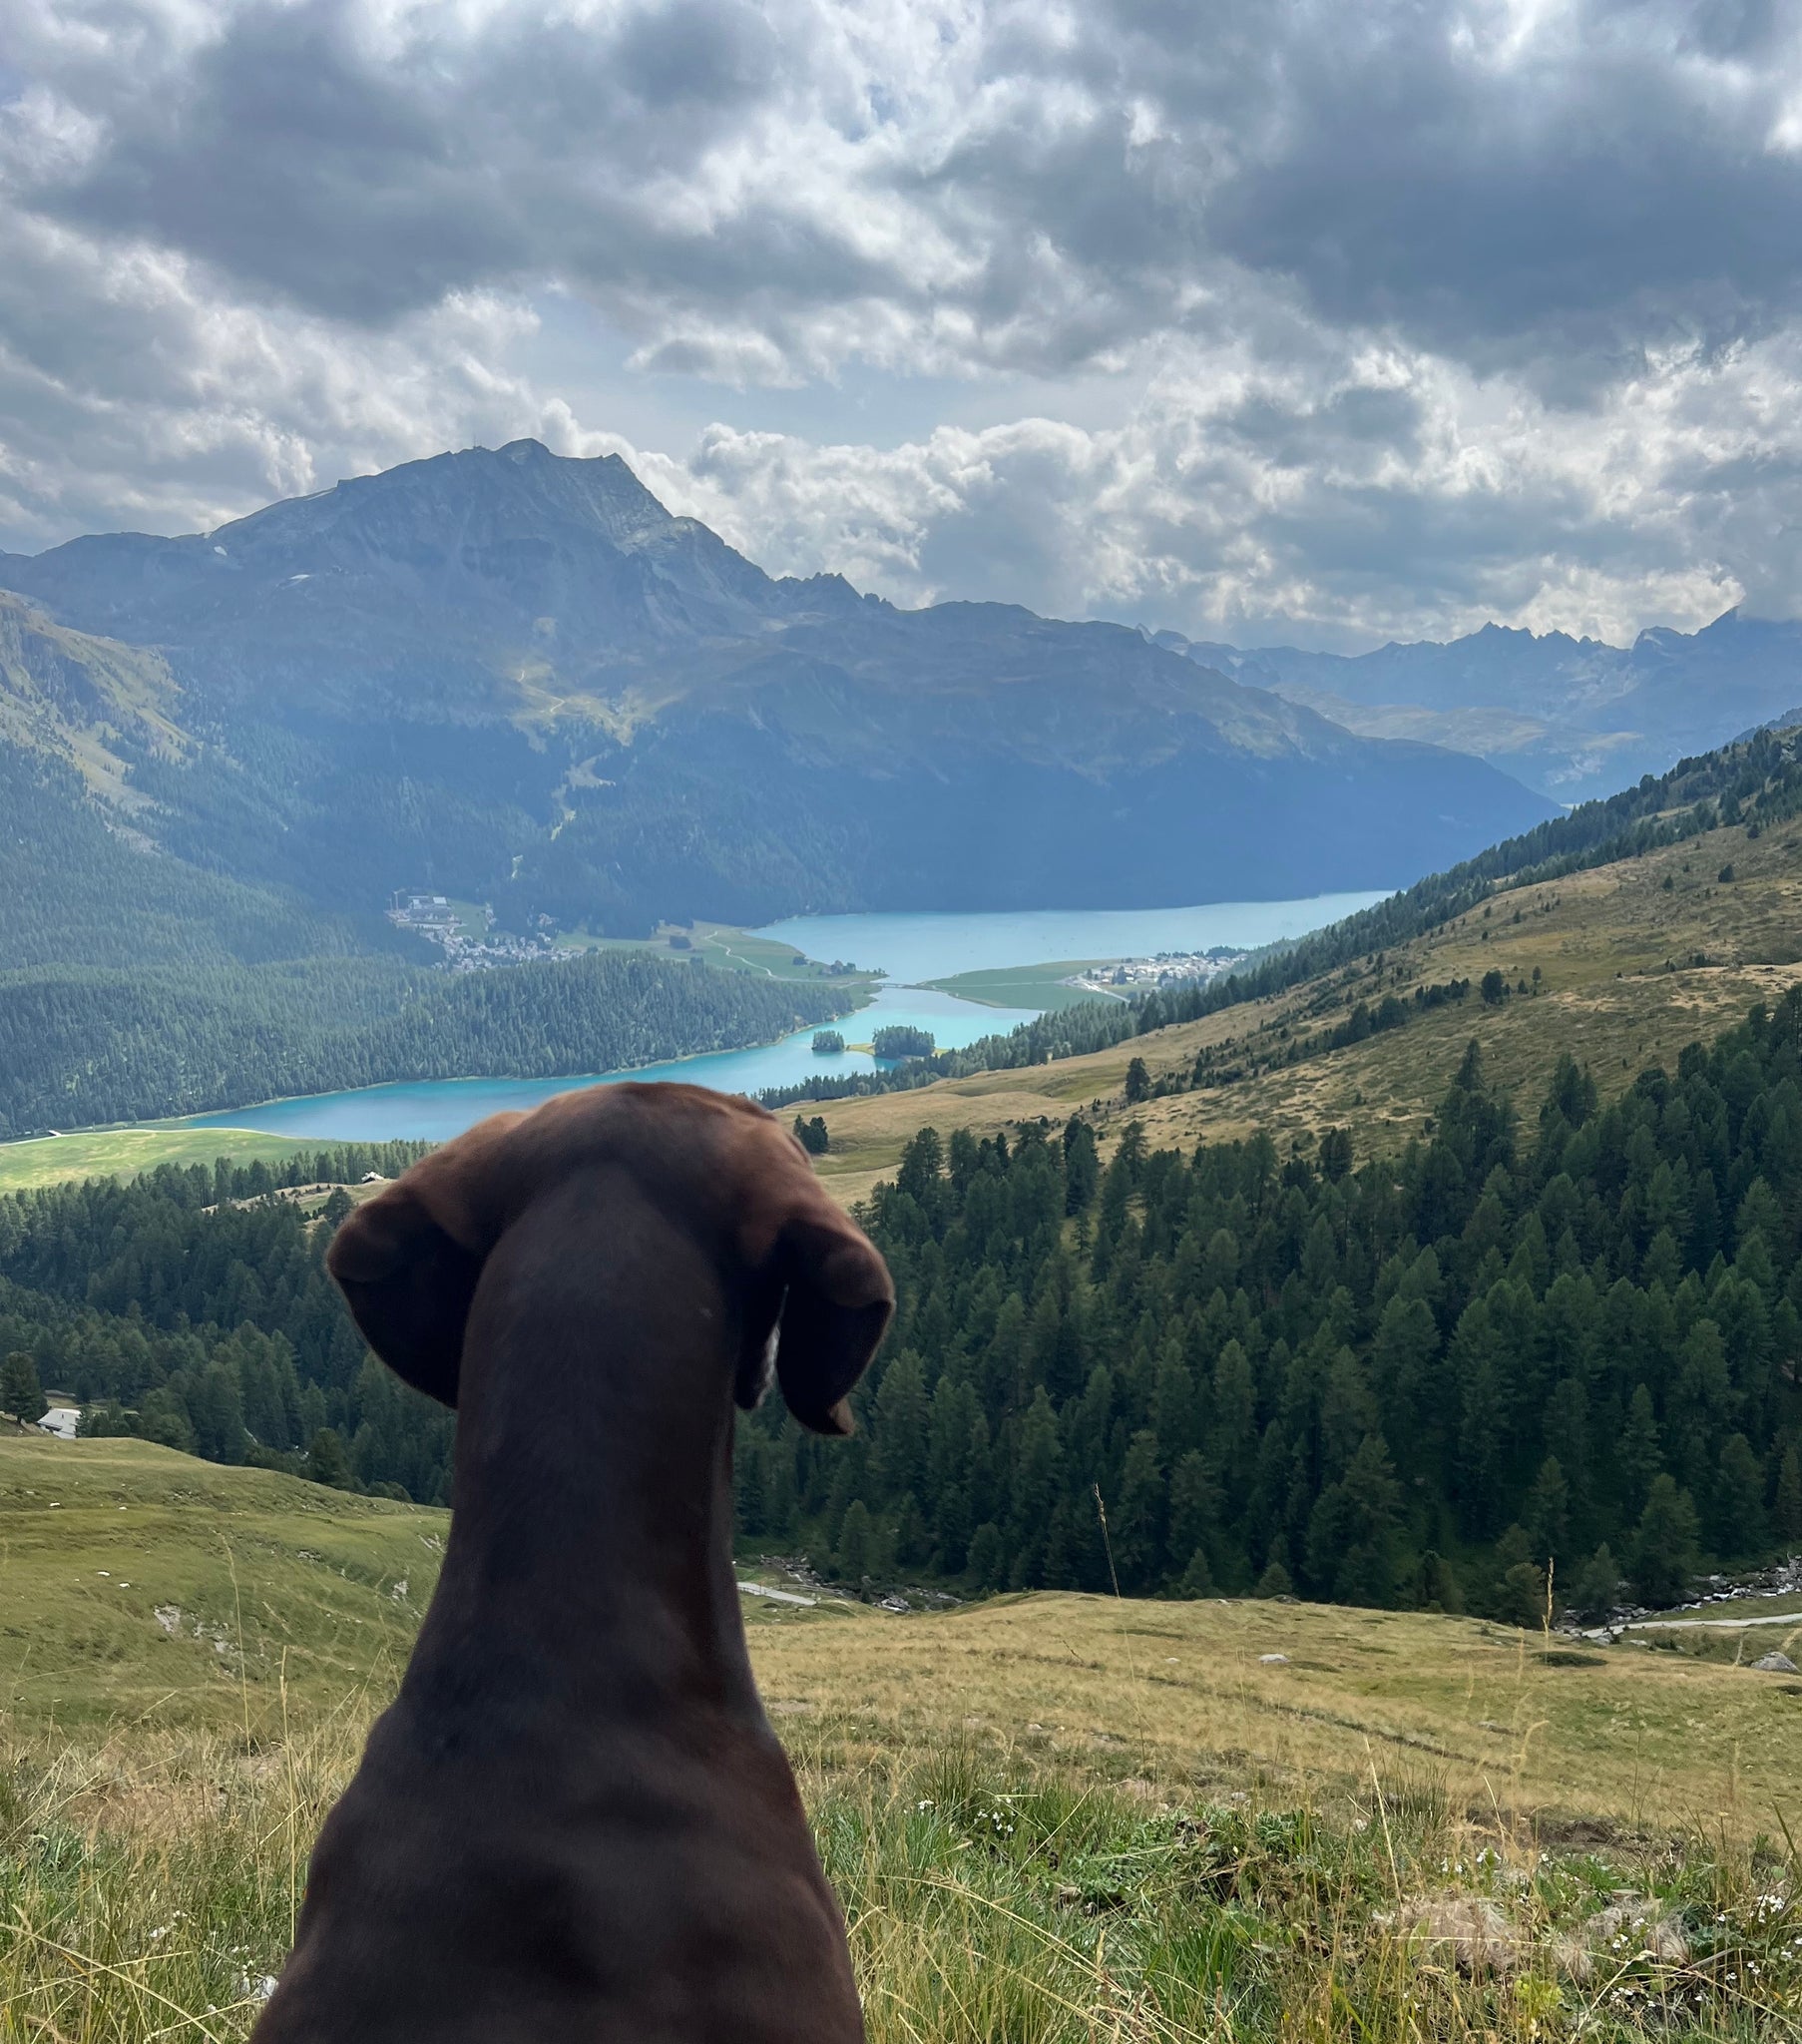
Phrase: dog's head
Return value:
(409, 1259)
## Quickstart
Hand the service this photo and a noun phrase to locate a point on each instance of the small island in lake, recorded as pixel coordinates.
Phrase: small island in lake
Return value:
(897, 1040)
(827, 1043)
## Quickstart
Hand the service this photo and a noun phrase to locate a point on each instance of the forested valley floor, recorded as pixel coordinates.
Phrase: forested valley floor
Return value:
(1564, 1345)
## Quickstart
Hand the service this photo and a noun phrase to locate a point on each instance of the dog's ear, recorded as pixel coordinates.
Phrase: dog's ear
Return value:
(836, 1309)
(408, 1260)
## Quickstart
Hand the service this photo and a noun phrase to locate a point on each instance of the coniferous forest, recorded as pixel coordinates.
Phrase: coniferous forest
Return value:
(1564, 1339)
(191, 1306)
(1569, 1340)
(132, 986)
(95, 1044)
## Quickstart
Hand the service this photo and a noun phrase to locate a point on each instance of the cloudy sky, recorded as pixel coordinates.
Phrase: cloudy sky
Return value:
(1260, 319)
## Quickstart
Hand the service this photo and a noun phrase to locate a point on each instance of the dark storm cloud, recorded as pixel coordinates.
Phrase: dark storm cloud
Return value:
(366, 182)
(1614, 191)
(1599, 177)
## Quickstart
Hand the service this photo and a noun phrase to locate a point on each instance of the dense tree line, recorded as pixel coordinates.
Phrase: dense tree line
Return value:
(88, 1044)
(1424, 1380)
(192, 1308)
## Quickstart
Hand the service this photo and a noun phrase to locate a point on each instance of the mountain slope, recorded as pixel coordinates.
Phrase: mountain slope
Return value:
(1622, 963)
(517, 677)
(87, 701)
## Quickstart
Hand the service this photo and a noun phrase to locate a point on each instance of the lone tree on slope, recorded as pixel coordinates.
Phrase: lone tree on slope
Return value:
(20, 1392)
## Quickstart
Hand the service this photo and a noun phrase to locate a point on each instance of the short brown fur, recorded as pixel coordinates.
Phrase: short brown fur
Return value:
(574, 1821)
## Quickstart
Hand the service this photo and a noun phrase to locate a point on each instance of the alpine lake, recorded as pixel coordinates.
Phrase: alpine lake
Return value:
(933, 966)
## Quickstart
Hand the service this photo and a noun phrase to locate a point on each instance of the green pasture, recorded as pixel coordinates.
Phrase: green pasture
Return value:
(1050, 1820)
(126, 1152)
(1022, 986)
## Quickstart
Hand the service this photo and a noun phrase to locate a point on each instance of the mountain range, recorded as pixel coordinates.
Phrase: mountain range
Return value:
(1572, 718)
(513, 676)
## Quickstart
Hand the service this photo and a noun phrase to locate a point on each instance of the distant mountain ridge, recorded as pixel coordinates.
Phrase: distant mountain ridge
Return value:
(516, 676)
(1571, 717)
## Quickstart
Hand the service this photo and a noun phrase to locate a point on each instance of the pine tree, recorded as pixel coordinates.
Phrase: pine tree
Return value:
(1351, 1532)
(900, 1432)
(1596, 1589)
(1481, 1429)
(957, 1440)
(1402, 1366)
(1194, 1508)
(1436, 1585)
(1522, 1598)
(1738, 1517)
(21, 1393)
(1136, 1522)
(988, 1555)
(1275, 1581)
(1641, 1457)
(856, 1538)
(1175, 1410)
(1789, 1496)
(326, 1461)
(1081, 1166)
(1197, 1579)
(1664, 1545)
(1231, 1445)
(1038, 1457)
(1548, 1516)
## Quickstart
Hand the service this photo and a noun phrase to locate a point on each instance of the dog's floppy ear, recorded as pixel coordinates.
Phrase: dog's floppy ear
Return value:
(408, 1260)
(840, 1298)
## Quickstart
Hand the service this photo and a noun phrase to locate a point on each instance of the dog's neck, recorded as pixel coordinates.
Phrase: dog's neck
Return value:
(590, 1540)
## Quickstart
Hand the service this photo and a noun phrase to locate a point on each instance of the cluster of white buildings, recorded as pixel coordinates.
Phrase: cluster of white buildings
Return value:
(1166, 969)
(436, 918)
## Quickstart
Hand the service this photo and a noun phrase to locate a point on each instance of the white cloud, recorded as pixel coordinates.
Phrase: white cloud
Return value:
(1400, 316)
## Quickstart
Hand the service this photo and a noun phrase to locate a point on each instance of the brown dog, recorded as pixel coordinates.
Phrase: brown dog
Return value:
(574, 1821)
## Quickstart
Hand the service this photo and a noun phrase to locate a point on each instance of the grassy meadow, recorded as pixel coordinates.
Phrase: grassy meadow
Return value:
(126, 1152)
(722, 944)
(1022, 986)
(1050, 1817)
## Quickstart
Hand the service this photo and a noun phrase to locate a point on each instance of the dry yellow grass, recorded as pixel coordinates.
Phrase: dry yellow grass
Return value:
(1052, 1819)
(1600, 940)
(1176, 1691)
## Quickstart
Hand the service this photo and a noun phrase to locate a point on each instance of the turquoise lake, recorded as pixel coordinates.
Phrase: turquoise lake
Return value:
(907, 947)
(433, 1110)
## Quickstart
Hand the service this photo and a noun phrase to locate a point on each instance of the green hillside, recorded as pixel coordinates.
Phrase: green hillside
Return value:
(1612, 935)
(147, 1586)
(1055, 1818)
(126, 1153)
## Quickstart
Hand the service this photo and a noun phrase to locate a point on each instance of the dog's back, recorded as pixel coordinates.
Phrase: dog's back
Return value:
(679, 1907)
(574, 1821)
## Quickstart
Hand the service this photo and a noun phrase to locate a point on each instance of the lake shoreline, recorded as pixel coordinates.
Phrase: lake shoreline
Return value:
(907, 957)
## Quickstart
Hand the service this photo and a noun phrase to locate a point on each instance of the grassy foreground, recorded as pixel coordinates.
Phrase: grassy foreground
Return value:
(1050, 1817)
